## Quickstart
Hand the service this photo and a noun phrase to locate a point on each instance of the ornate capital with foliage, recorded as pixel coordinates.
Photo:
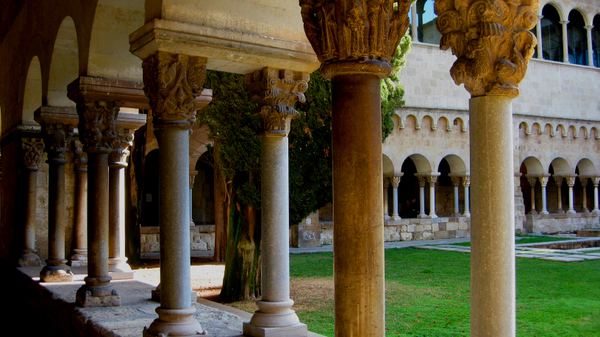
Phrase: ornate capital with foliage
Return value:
(492, 41)
(79, 156)
(33, 152)
(364, 31)
(120, 148)
(172, 82)
(57, 139)
(276, 91)
(98, 125)
(466, 181)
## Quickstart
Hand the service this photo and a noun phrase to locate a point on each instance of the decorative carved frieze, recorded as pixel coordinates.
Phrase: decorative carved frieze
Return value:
(98, 125)
(276, 91)
(57, 139)
(79, 156)
(492, 41)
(33, 152)
(172, 82)
(353, 30)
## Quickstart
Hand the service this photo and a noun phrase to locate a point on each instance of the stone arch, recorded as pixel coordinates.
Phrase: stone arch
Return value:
(595, 132)
(459, 121)
(525, 126)
(572, 132)
(561, 167)
(550, 129)
(533, 167)
(456, 163)
(586, 167)
(203, 194)
(109, 55)
(64, 66)
(422, 164)
(538, 126)
(429, 119)
(552, 39)
(32, 96)
(562, 129)
(577, 38)
(445, 120)
(412, 119)
(388, 166)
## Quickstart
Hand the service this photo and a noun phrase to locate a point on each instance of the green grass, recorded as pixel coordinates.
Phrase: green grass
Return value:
(428, 294)
(524, 239)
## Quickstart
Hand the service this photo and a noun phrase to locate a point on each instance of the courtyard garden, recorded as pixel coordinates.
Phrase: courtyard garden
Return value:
(427, 294)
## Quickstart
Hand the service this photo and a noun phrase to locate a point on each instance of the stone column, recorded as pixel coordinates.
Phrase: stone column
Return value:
(193, 175)
(571, 183)
(584, 182)
(455, 184)
(466, 181)
(414, 23)
(432, 180)
(33, 149)
(276, 91)
(57, 139)
(422, 181)
(596, 181)
(565, 40)
(558, 181)
(97, 131)
(538, 33)
(395, 184)
(532, 181)
(590, 45)
(172, 82)
(117, 162)
(79, 254)
(544, 183)
(355, 50)
(491, 70)
(386, 208)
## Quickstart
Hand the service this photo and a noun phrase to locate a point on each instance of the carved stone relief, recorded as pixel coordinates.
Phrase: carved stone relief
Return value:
(34, 152)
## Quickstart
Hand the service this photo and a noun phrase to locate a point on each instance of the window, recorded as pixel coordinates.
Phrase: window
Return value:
(552, 40)
(426, 19)
(577, 37)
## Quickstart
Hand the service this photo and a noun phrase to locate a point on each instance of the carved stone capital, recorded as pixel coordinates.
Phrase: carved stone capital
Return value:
(466, 181)
(193, 175)
(455, 181)
(532, 181)
(492, 41)
(595, 181)
(395, 181)
(386, 182)
(584, 181)
(33, 152)
(276, 91)
(98, 125)
(79, 155)
(544, 181)
(432, 180)
(422, 181)
(57, 139)
(172, 82)
(558, 181)
(571, 181)
(120, 148)
(349, 31)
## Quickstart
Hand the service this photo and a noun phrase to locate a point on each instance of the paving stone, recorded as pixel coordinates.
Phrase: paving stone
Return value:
(561, 259)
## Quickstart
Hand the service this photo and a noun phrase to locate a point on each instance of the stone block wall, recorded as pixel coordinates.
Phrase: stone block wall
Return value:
(561, 223)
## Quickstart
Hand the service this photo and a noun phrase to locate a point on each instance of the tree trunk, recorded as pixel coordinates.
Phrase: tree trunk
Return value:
(221, 193)
(241, 280)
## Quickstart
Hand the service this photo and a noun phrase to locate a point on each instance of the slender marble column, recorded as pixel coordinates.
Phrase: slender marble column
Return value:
(172, 82)
(276, 91)
(57, 139)
(414, 23)
(558, 181)
(455, 183)
(117, 162)
(193, 175)
(79, 255)
(538, 33)
(432, 180)
(32, 159)
(466, 181)
(355, 51)
(596, 182)
(422, 181)
(544, 183)
(565, 41)
(386, 209)
(571, 183)
(584, 183)
(395, 184)
(532, 181)
(590, 45)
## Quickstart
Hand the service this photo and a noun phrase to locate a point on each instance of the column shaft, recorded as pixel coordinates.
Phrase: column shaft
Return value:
(432, 181)
(590, 45)
(493, 290)
(565, 41)
(29, 257)
(544, 182)
(422, 202)
(538, 33)
(467, 212)
(357, 174)
(595, 181)
(386, 208)
(79, 255)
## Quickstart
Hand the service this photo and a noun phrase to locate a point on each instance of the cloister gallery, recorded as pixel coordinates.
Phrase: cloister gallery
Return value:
(90, 90)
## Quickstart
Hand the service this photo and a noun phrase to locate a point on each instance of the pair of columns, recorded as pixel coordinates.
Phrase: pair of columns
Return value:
(394, 182)
(565, 40)
(423, 179)
(570, 183)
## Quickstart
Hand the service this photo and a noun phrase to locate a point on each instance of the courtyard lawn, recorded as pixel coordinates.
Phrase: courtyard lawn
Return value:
(427, 294)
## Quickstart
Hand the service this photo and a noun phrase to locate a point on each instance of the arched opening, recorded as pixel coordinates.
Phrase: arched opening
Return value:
(449, 197)
(596, 40)
(32, 97)
(150, 196)
(426, 23)
(557, 190)
(584, 189)
(577, 39)
(531, 171)
(203, 191)
(552, 39)
(408, 191)
(64, 68)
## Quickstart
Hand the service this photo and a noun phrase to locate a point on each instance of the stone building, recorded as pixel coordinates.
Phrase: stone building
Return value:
(85, 86)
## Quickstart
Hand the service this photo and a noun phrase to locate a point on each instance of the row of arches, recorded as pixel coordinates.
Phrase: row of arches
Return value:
(571, 38)
(563, 130)
(446, 123)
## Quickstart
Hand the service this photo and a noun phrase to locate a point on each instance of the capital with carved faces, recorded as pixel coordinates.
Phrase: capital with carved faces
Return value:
(33, 152)
(98, 125)
(57, 139)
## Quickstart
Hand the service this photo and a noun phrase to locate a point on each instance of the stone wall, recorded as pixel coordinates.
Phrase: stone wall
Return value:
(561, 223)
(202, 239)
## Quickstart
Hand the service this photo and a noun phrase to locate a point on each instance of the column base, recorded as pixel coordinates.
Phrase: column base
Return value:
(457, 214)
(298, 330)
(395, 217)
(174, 322)
(79, 258)
(422, 216)
(56, 271)
(98, 296)
(560, 211)
(467, 215)
(273, 315)
(119, 269)
(585, 210)
(155, 296)
(432, 216)
(386, 217)
(571, 211)
(596, 211)
(29, 259)
(544, 212)
(533, 212)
